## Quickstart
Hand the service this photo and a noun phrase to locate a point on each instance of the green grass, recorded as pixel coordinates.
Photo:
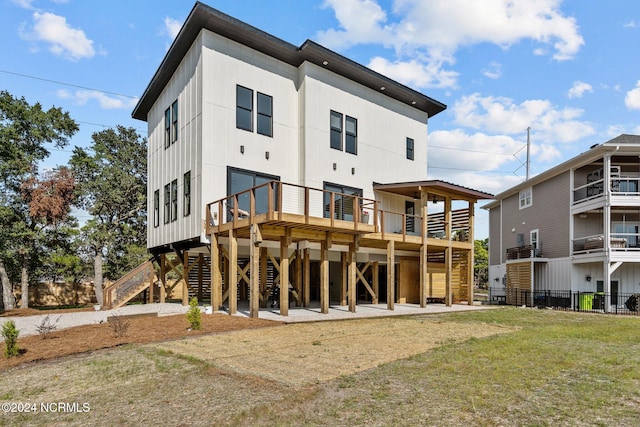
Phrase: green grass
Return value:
(557, 369)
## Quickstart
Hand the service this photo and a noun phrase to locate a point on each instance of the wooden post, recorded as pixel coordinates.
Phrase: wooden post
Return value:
(163, 279)
(233, 273)
(391, 274)
(216, 275)
(298, 279)
(263, 277)
(254, 278)
(307, 278)
(345, 275)
(185, 277)
(352, 281)
(200, 268)
(324, 277)
(284, 277)
(448, 252)
(151, 283)
(376, 287)
(470, 261)
(424, 199)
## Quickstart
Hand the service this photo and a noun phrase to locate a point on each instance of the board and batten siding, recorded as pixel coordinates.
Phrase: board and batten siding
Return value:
(549, 213)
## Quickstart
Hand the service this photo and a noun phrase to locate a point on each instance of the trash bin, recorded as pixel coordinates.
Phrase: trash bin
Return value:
(585, 301)
(598, 301)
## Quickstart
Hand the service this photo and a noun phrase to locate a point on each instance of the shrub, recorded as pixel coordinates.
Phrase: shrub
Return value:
(10, 335)
(194, 315)
(118, 324)
(46, 327)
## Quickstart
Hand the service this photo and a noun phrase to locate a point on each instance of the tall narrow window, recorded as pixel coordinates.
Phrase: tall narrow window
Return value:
(336, 130)
(156, 208)
(174, 200)
(410, 148)
(167, 128)
(186, 203)
(167, 203)
(265, 114)
(244, 108)
(351, 135)
(174, 121)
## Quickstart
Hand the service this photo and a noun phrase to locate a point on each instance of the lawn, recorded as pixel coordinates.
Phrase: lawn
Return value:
(508, 366)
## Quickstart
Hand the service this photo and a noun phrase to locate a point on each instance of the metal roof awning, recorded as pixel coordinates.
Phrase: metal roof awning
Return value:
(436, 188)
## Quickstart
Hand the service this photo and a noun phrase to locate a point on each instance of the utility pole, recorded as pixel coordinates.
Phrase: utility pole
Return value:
(528, 150)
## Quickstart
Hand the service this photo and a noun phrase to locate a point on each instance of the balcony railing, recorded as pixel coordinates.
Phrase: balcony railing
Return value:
(522, 252)
(617, 242)
(278, 201)
(620, 186)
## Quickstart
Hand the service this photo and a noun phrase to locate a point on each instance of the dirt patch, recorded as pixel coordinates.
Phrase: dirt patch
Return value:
(146, 329)
(307, 353)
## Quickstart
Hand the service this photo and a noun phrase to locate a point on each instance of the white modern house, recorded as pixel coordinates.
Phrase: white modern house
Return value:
(571, 229)
(271, 163)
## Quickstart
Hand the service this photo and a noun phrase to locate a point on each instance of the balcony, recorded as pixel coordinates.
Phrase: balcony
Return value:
(618, 242)
(522, 252)
(307, 210)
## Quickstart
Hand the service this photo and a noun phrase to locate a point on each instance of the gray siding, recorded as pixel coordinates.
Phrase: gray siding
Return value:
(549, 213)
(494, 236)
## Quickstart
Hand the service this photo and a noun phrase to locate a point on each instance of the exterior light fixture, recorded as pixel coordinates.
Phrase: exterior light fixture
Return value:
(382, 88)
(266, 155)
(353, 171)
(325, 62)
(335, 166)
(242, 149)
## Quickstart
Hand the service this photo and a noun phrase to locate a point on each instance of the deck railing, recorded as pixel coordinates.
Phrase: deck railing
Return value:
(620, 186)
(274, 200)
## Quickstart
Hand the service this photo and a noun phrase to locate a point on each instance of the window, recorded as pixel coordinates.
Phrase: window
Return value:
(167, 128)
(351, 135)
(167, 203)
(156, 208)
(265, 114)
(410, 211)
(239, 180)
(343, 201)
(174, 121)
(534, 241)
(525, 198)
(174, 200)
(244, 108)
(410, 148)
(186, 203)
(336, 130)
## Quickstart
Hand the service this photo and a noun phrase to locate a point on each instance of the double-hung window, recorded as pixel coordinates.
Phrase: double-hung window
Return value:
(156, 208)
(167, 128)
(174, 200)
(186, 203)
(244, 108)
(336, 130)
(167, 203)
(410, 148)
(351, 135)
(526, 198)
(265, 114)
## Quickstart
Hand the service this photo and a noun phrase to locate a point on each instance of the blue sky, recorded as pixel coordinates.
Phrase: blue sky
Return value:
(567, 69)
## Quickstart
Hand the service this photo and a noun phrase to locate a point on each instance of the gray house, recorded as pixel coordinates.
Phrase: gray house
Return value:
(571, 229)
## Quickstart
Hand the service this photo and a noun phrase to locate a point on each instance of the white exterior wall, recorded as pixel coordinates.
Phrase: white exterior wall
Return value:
(299, 151)
(383, 126)
(165, 165)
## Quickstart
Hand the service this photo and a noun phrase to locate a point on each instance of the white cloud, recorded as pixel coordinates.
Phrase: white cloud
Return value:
(415, 73)
(434, 30)
(578, 89)
(106, 102)
(172, 27)
(493, 70)
(26, 4)
(632, 99)
(502, 115)
(63, 40)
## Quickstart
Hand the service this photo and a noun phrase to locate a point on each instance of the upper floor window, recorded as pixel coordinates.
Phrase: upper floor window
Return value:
(174, 121)
(167, 203)
(171, 124)
(265, 114)
(526, 199)
(244, 108)
(156, 208)
(410, 148)
(351, 135)
(167, 128)
(336, 130)
(186, 205)
(174, 200)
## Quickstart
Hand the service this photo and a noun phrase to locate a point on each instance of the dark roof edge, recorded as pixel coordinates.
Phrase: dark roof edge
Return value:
(479, 195)
(203, 16)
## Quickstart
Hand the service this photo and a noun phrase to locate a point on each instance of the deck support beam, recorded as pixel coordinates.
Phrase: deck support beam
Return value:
(391, 274)
(216, 274)
(284, 276)
(470, 260)
(352, 280)
(376, 282)
(254, 275)
(307, 278)
(448, 253)
(324, 277)
(233, 273)
(345, 274)
(424, 211)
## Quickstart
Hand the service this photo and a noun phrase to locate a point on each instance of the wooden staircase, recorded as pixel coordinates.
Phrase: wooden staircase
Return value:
(131, 284)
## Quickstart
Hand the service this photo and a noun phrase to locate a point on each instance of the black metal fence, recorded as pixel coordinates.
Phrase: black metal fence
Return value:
(596, 302)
